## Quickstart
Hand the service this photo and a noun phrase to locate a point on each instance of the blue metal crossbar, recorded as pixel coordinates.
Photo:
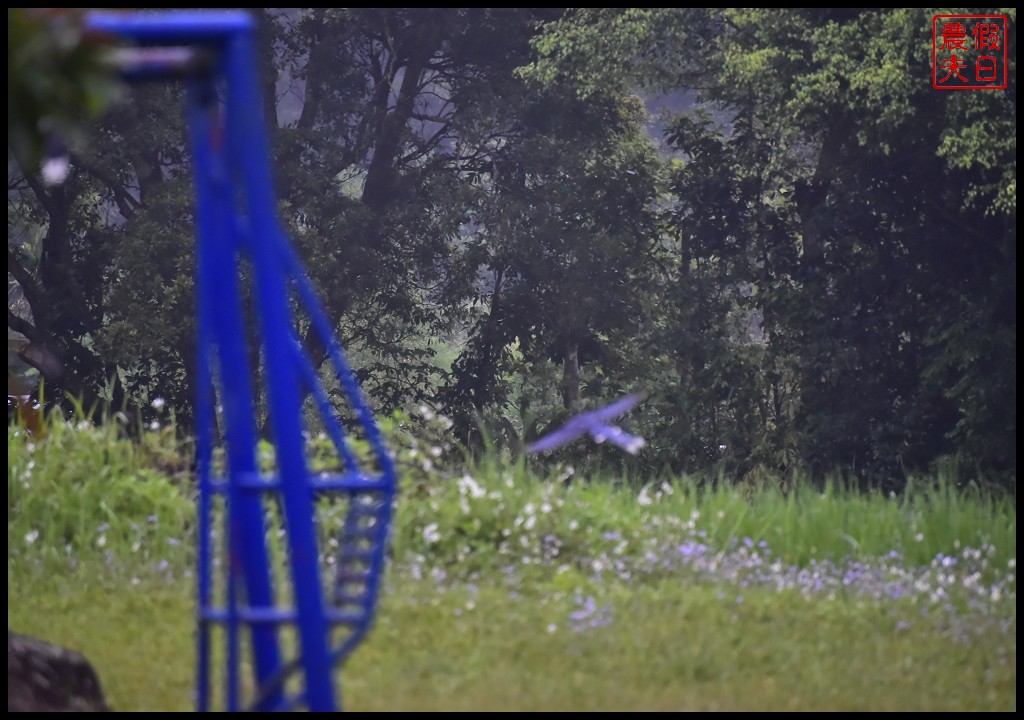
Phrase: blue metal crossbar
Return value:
(242, 612)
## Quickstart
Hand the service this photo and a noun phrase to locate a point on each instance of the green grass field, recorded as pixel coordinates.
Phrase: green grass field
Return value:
(671, 645)
(513, 591)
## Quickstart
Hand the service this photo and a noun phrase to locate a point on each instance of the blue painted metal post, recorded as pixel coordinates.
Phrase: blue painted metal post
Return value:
(219, 296)
(236, 222)
(250, 158)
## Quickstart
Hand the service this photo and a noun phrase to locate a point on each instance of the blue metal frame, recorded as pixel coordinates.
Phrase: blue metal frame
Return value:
(236, 221)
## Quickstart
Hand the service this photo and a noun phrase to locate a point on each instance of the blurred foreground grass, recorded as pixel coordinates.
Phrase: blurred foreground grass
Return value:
(659, 647)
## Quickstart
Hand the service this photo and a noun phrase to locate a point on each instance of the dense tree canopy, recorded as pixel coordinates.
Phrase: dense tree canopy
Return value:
(817, 269)
(865, 221)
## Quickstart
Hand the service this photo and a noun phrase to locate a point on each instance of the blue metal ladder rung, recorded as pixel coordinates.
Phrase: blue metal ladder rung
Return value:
(353, 481)
(276, 616)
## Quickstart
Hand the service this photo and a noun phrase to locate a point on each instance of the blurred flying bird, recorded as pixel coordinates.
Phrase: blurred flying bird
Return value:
(596, 424)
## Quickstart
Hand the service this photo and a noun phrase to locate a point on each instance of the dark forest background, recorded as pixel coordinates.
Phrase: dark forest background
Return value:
(765, 219)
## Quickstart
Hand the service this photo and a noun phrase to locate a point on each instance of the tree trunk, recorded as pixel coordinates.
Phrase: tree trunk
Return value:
(571, 377)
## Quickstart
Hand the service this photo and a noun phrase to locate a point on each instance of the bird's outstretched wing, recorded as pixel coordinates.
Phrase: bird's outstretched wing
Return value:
(610, 412)
(596, 424)
(563, 435)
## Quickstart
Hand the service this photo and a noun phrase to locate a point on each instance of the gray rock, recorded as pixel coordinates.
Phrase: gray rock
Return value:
(42, 677)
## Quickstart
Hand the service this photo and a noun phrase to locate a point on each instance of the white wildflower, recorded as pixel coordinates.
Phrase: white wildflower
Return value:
(643, 498)
(467, 485)
(431, 533)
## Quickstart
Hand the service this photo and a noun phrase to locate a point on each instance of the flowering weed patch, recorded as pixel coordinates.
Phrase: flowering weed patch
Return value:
(513, 590)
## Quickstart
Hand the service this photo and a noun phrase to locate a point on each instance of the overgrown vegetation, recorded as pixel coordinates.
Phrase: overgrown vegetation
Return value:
(515, 587)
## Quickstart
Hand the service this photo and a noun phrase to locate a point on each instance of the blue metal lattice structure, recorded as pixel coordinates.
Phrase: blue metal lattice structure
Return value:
(246, 658)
